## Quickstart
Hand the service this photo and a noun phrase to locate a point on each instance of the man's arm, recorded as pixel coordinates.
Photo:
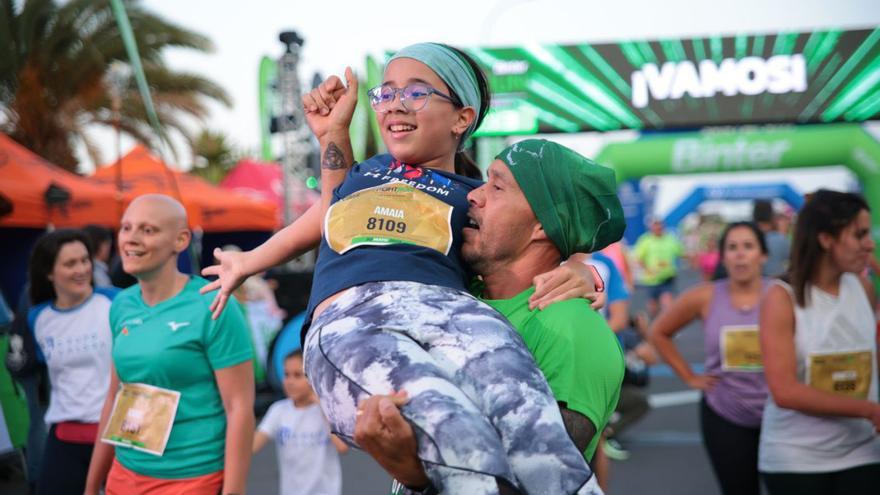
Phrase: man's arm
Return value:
(579, 427)
(383, 433)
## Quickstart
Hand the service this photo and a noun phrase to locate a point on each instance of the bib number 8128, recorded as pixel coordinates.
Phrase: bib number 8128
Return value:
(386, 225)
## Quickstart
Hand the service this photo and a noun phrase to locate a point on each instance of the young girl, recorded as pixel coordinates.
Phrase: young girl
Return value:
(308, 454)
(389, 307)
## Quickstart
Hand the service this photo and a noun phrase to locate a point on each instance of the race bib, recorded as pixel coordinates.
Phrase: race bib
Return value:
(389, 214)
(845, 373)
(142, 418)
(741, 348)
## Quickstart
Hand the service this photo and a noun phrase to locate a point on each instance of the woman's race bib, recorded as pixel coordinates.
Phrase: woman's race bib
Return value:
(389, 214)
(741, 348)
(845, 373)
(142, 418)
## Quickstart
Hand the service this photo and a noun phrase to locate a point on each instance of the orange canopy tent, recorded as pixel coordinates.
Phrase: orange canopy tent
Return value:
(42, 193)
(208, 207)
(264, 181)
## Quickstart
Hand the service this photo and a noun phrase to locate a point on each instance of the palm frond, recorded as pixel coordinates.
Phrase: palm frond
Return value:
(54, 61)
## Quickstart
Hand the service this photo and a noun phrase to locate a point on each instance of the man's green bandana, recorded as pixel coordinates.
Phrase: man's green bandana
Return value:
(574, 198)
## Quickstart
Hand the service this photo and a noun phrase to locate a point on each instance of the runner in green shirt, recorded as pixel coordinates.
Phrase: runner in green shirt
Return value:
(657, 253)
(176, 345)
(165, 344)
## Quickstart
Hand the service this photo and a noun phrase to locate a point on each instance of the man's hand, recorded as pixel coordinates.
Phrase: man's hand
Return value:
(383, 433)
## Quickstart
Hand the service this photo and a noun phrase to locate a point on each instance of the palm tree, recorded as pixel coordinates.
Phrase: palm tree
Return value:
(54, 63)
(214, 155)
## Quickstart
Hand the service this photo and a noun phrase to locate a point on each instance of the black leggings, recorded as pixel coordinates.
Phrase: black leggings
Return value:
(733, 451)
(861, 480)
(64, 467)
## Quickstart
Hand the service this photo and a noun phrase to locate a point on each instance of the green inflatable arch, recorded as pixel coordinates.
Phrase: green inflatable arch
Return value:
(760, 149)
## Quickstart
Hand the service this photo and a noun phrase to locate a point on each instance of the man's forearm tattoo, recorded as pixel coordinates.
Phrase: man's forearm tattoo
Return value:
(579, 428)
(333, 158)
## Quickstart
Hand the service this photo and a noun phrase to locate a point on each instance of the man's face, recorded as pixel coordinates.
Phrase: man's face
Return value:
(150, 236)
(657, 227)
(502, 221)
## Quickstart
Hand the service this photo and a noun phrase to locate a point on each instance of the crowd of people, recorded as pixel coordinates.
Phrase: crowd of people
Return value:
(450, 332)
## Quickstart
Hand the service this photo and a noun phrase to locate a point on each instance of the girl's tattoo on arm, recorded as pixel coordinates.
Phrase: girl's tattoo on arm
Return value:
(333, 158)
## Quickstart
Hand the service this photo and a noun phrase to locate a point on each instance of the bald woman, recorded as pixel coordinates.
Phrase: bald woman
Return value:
(182, 382)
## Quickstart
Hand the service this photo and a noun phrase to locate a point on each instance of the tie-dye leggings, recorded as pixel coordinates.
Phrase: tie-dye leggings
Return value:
(479, 406)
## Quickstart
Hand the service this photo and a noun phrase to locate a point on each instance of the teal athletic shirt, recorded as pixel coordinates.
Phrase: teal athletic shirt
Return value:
(576, 351)
(176, 345)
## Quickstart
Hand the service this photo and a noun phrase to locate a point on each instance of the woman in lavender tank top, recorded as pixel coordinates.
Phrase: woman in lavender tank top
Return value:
(733, 385)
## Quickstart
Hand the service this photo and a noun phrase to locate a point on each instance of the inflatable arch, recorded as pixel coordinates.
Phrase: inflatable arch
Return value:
(760, 149)
(732, 192)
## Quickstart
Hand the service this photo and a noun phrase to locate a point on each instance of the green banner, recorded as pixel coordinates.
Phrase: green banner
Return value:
(267, 102)
(789, 77)
(761, 149)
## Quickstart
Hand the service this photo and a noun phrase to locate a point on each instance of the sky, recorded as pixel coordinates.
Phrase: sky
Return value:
(342, 32)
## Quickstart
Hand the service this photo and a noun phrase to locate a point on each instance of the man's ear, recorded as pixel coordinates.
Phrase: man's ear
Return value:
(538, 233)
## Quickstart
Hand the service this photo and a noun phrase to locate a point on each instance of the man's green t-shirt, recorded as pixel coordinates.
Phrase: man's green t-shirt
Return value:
(176, 345)
(659, 255)
(575, 349)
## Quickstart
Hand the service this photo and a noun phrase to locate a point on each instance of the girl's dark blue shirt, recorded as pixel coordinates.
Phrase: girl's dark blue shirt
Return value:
(335, 272)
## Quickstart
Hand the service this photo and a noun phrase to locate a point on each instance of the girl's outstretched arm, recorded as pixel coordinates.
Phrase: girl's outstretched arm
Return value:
(329, 109)
(233, 267)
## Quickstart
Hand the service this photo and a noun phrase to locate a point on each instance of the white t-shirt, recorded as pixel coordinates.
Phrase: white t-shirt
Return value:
(796, 442)
(307, 459)
(75, 343)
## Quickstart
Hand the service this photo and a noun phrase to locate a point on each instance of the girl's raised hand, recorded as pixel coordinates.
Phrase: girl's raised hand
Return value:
(331, 105)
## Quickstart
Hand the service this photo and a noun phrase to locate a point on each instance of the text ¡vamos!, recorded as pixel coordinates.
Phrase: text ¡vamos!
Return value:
(747, 76)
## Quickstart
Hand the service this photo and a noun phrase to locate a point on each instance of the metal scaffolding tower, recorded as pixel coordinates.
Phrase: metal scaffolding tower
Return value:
(295, 134)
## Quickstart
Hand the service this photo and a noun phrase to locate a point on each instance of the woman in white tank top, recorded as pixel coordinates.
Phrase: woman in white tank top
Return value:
(818, 334)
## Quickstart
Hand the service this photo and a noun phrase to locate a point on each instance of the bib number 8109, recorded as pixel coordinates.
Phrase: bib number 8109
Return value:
(386, 225)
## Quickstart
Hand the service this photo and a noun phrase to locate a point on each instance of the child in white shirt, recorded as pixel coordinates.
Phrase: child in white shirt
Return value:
(308, 454)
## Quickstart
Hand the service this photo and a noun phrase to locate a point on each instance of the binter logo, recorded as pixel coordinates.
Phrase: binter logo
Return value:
(694, 155)
(747, 76)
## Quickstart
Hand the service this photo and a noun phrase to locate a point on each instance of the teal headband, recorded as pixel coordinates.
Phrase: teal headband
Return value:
(453, 70)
